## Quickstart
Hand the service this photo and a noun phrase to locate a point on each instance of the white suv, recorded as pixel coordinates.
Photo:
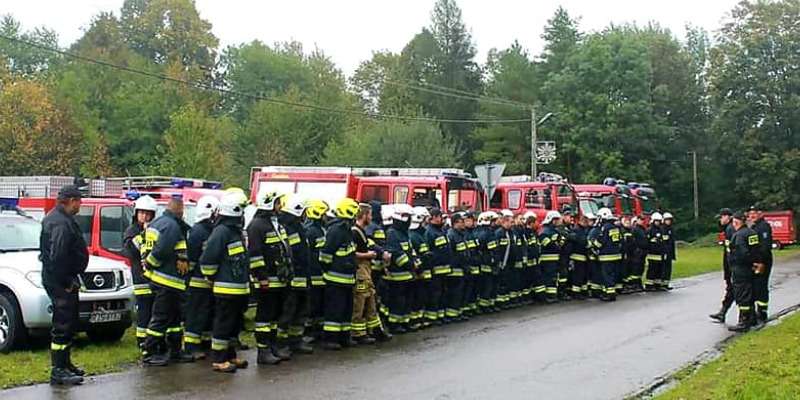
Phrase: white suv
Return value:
(106, 294)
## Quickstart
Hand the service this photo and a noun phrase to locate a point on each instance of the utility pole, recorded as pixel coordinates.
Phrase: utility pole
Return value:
(533, 143)
(696, 186)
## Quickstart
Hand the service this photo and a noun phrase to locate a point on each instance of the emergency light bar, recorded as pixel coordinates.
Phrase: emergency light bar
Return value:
(426, 172)
(145, 182)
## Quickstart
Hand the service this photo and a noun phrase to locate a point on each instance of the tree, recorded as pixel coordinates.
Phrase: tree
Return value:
(22, 59)
(561, 36)
(392, 144)
(197, 144)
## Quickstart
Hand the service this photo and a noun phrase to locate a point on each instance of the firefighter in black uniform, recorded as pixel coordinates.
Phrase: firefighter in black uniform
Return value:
(454, 283)
(422, 287)
(377, 233)
(761, 279)
(551, 242)
(505, 257)
(486, 247)
(655, 253)
(668, 235)
(746, 259)
(166, 264)
(567, 242)
(608, 247)
(518, 274)
(626, 267)
(338, 259)
(64, 257)
(315, 235)
(226, 264)
(637, 254)
(199, 298)
(726, 227)
(144, 210)
(291, 323)
(473, 271)
(534, 272)
(440, 258)
(269, 263)
(579, 257)
(400, 270)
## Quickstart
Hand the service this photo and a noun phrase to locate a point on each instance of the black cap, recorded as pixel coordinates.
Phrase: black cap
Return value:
(469, 214)
(739, 215)
(435, 212)
(726, 211)
(754, 208)
(69, 192)
(567, 210)
(456, 217)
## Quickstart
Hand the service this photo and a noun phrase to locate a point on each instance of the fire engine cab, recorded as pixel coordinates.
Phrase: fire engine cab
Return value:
(521, 194)
(611, 194)
(448, 189)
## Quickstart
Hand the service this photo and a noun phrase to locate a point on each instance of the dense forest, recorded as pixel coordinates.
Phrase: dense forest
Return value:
(149, 90)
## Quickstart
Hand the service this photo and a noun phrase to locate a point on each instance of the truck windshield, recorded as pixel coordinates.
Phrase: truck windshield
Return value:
(19, 234)
(627, 205)
(608, 200)
(588, 206)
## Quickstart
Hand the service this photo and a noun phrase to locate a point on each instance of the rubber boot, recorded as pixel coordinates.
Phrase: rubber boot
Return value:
(719, 317)
(265, 357)
(746, 321)
(300, 346)
(72, 367)
(59, 374)
(281, 350)
(364, 340)
(176, 353)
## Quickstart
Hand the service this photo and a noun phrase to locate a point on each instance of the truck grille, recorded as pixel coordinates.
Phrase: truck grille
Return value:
(99, 281)
(103, 305)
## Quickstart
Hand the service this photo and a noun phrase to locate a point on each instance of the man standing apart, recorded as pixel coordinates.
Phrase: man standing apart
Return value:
(761, 279)
(726, 226)
(64, 256)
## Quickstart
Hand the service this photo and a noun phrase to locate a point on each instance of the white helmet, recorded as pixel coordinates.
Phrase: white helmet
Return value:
(420, 213)
(268, 201)
(528, 215)
(206, 207)
(506, 213)
(551, 215)
(667, 216)
(590, 216)
(295, 206)
(232, 204)
(656, 217)
(402, 212)
(145, 203)
(605, 214)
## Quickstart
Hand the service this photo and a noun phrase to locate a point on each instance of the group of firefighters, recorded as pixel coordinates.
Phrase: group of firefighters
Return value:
(350, 274)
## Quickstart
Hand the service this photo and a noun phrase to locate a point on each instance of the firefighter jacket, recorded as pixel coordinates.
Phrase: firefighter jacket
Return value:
(727, 231)
(609, 243)
(655, 244)
(764, 231)
(506, 253)
(195, 244)
(225, 260)
(533, 249)
(639, 244)
(164, 248)
(402, 264)
(521, 245)
(417, 238)
(338, 256)
(669, 241)
(745, 248)
(298, 250)
(550, 242)
(567, 241)
(473, 259)
(377, 234)
(591, 239)
(579, 244)
(133, 238)
(627, 242)
(62, 250)
(315, 236)
(486, 248)
(440, 250)
(459, 263)
(268, 250)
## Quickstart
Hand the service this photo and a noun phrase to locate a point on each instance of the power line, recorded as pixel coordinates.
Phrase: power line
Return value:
(207, 87)
(459, 94)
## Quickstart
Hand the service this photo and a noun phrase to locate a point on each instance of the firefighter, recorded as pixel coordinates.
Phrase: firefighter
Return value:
(64, 257)
(567, 242)
(608, 246)
(486, 248)
(637, 254)
(144, 210)
(595, 275)
(505, 258)
(550, 241)
(225, 264)
(655, 253)
(440, 257)
(291, 323)
(761, 279)
(534, 272)
(399, 274)
(268, 266)
(416, 235)
(669, 246)
(747, 259)
(579, 257)
(626, 266)
(376, 231)
(338, 259)
(454, 283)
(166, 264)
(727, 229)
(315, 235)
(517, 276)
(473, 271)
(366, 323)
(199, 297)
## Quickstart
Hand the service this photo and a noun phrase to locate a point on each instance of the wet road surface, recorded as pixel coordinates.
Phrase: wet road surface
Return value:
(575, 350)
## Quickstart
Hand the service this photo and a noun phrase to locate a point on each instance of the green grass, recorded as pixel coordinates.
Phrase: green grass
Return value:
(759, 365)
(696, 260)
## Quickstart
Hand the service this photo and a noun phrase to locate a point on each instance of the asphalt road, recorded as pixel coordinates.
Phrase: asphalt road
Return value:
(575, 350)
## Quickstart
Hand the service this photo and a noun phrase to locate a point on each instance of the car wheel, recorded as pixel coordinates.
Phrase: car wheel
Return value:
(12, 330)
(107, 333)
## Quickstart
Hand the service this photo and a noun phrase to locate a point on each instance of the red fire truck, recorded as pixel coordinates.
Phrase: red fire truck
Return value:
(784, 233)
(616, 196)
(448, 189)
(522, 193)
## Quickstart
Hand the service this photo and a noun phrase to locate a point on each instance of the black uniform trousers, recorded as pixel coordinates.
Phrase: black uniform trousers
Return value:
(666, 274)
(292, 320)
(761, 290)
(655, 271)
(419, 289)
(609, 271)
(316, 296)
(65, 322)
(436, 296)
(728, 297)
(550, 277)
(579, 277)
(454, 296)
(165, 322)
(742, 278)
(269, 306)
(199, 317)
(144, 310)
(637, 270)
(338, 312)
(226, 327)
(396, 304)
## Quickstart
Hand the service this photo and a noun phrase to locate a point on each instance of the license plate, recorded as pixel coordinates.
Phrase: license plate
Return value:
(101, 317)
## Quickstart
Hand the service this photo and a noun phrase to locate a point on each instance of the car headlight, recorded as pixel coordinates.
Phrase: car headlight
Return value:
(35, 278)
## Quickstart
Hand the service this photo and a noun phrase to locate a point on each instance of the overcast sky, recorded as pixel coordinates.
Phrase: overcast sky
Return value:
(350, 30)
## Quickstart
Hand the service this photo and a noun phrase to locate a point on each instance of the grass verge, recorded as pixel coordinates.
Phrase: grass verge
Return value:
(696, 260)
(759, 365)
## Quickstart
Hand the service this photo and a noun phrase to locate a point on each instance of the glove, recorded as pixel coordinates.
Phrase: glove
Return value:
(759, 268)
(182, 266)
(285, 272)
(263, 285)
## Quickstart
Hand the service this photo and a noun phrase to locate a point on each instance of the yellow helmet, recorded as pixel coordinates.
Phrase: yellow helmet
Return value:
(347, 208)
(316, 209)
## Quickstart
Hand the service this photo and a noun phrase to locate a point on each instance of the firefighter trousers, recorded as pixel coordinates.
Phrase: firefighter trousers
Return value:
(728, 296)
(338, 312)
(579, 277)
(144, 309)
(469, 303)
(454, 296)
(396, 302)
(563, 275)
(743, 278)
(435, 304)
(655, 270)
(761, 291)
(636, 272)
(609, 271)
(316, 314)
(550, 278)
(226, 326)
(365, 306)
(65, 317)
(165, 322)
(666, 274)
(486, 290)
(199, 318)
(419, 290)
(269, 305)
(294, 313)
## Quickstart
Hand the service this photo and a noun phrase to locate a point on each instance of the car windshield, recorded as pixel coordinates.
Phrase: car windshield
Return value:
(588, 206)
(608, 200)
(19, 234)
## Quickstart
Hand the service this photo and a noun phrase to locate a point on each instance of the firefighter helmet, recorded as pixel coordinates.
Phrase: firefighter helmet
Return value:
(232, 204)
(551, 215)
(667, 216)
(206, 207)
(656, 217)
(402, 212)
(145, 203)
(269, 201)
(605, 214)
(506, 213)
(346, 208)
(529, 215)
(294, 207)
(316, 209)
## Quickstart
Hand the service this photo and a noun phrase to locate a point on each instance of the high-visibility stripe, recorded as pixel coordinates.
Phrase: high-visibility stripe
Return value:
(549, 257)
(236, 250)
(181, 245)
(329, 326)
(474, 270)
(152, 261)
(405, 246)
(167, 280)
(762, 304)
(577, 257)
(275, 282)
(491, 245)
(441, 269)
(257, 262)
(461, 246)
(141, 332)
(655, 257)
(263, 327)
(300, 283)
(379, 234)
(346, 251)
(456, 272)
(142, 290)
(153, 333)
(610, 257)
(399, 276)
(423, 248)
(402, 260)
(325, 258)
(231, 288)
(319, 243)
(294, 239)
(192, 338)
(174, 329)
(486, 268)
(440, 241)
(337, 277)
(209, 269)
(219, 344)
(317, 281)
(199, 283)
(58, 347)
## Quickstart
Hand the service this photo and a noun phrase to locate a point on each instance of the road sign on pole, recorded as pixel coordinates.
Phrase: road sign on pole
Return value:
(489, 175)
